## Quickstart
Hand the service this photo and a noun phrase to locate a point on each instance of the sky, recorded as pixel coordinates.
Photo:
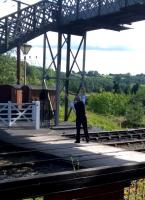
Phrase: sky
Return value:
(107, 51)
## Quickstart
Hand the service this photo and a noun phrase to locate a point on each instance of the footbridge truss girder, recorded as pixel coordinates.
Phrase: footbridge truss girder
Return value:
(67, 16)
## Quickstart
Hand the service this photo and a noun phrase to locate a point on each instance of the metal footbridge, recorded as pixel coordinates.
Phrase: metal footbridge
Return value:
(74, 17)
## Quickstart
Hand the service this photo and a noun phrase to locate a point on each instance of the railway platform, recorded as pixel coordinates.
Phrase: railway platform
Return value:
(94, 165)
(88, 154)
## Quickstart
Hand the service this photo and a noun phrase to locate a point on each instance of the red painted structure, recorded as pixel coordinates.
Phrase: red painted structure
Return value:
(26, 94)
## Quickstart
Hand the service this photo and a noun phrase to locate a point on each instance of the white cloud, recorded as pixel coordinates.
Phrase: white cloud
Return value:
(115, 62)
(130, 39)
(117, 52)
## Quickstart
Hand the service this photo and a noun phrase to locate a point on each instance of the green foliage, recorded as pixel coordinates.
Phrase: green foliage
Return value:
(117, 84)
(134, 114)
(139, 96)
(34, 75)
(108, 103)
(135, 88)
(61, 115)
(136, 108)
(94, 82)
(7, 69)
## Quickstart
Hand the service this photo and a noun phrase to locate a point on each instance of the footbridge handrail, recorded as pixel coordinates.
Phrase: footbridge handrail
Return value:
(19, 27)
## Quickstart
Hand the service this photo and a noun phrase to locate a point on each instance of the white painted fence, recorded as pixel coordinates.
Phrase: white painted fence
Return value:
(11, 113)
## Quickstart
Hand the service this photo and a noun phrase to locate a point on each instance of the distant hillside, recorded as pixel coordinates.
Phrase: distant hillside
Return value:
(94, 82)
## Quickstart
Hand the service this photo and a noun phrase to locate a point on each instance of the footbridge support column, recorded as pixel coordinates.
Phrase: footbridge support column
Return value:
(58, 70)
(73, 49)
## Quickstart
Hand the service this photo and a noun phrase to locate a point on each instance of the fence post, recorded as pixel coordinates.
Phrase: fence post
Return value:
(9, 113)
(33, 111)
(36, 114)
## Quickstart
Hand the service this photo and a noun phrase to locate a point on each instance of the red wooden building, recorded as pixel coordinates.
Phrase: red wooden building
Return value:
(26, 94)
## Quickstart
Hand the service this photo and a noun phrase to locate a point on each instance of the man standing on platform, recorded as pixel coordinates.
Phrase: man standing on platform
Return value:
(80, 119)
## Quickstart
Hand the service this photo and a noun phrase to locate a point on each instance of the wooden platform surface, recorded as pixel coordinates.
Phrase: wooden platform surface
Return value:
(88, 155)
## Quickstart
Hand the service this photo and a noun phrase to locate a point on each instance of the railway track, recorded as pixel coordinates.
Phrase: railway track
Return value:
(130, 139)
(16, 162)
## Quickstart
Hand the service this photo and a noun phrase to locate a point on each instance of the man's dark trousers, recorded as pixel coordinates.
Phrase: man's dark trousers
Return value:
(83, 121)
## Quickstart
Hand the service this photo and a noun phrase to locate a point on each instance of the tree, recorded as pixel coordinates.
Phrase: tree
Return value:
(7, 69)
(92, 73)
(116, 82)
(139, 96)
(135, 88)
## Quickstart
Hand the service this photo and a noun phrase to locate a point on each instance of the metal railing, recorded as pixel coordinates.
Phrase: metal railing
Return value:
(32, 21)
(85, 9)
(19, 27)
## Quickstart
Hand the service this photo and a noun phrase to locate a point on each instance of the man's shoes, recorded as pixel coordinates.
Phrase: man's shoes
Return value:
(87, 141)
(77, 141)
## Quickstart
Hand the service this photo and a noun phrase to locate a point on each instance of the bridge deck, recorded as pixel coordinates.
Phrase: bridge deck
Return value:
(72, 17)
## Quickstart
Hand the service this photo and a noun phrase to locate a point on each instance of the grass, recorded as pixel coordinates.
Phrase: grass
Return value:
(105, 122)
(136, 191)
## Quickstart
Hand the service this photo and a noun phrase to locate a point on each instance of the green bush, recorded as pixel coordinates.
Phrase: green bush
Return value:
(108, 103)
(134, 114)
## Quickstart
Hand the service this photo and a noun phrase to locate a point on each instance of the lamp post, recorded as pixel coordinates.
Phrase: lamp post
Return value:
(25, 48)
(19, 3)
